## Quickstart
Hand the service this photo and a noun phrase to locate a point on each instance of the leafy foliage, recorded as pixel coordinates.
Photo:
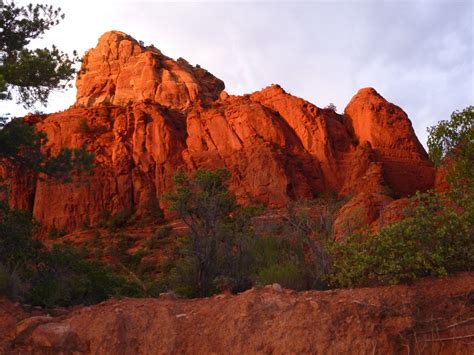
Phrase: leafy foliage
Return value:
(220, 231)
(20, 144)
(120, 219)
(30, 74)
(452, 137)
(158, 237)
(309, 225)
(275, 259)
(16, 244)
(452, 142)
(22, 147)
(63, 278)
(435, 239)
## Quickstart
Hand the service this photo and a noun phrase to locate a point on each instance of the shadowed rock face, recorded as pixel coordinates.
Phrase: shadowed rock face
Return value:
(145, 116)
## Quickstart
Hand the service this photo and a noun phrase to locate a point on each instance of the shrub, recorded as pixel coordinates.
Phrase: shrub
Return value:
(65, 278)
(11, 283)
(124, 242)
(84, 126)
(433, 240)
(151, 210)
(17, 246)
(120, 219)
(219, 232)
(287, 275)
(277, 259)
(331, 107)
(59, 277)
(55, 233)
(158, 237)
(309, 226)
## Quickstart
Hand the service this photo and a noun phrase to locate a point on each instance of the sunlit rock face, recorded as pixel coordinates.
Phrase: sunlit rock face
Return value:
(120, 71)
(387, 129)
(146, 116)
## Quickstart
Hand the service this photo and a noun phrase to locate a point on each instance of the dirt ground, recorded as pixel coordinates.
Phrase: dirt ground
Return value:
(432, 316)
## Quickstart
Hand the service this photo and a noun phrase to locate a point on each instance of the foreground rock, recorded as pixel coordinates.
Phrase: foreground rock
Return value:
(433, 316)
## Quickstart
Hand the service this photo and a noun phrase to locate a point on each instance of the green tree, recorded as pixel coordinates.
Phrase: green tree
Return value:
(17, 249)
(434, 239)
(452, 142)
(27, 269)
(219, 231)
(310, 227)
(58, 277)
(64, 277)
(22, 148)
(29, 75)
(26, 74)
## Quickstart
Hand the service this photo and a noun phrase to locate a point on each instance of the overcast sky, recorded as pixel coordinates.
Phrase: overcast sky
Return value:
(417, 54)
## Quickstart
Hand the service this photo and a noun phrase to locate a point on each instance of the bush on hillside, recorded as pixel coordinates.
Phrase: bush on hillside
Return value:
(64, 278)
(435, 239)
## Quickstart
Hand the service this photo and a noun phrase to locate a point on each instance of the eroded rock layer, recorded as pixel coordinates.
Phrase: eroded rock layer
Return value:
(433, 316)
(145, 116)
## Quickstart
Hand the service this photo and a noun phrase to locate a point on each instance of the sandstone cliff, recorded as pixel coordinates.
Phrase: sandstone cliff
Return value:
(145, 116)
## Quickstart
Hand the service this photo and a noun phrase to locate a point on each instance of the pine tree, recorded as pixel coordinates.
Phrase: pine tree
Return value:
(29, 75)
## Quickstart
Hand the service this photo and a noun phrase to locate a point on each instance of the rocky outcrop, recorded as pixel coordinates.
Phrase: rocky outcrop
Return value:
(121, 71)
(388, 131)
(146, 116)
(430, 317)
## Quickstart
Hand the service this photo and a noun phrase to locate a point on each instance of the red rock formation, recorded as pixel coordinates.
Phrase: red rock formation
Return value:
(389, 132)
(120, 71)
(145, 116)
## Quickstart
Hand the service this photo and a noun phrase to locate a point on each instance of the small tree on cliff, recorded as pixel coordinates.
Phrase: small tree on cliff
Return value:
(331, 107)
(454, 140)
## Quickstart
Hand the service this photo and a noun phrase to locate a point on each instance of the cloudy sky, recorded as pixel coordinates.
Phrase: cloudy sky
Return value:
(417, 54)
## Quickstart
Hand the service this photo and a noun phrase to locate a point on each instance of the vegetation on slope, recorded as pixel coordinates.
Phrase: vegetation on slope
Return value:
(223, 251)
